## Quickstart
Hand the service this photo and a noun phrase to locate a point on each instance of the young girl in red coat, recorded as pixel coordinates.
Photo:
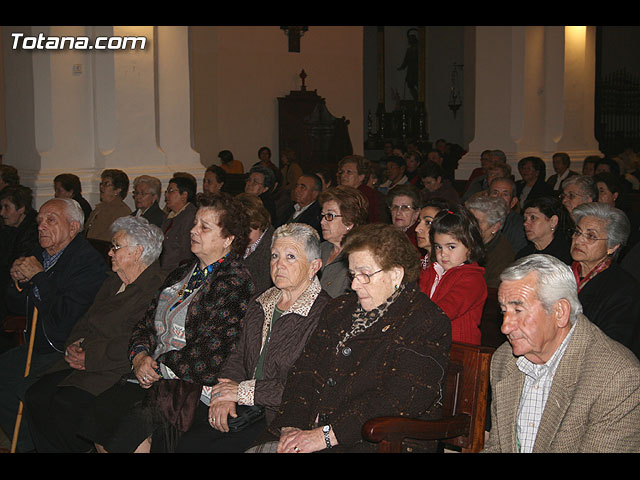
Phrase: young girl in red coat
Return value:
(454, 280)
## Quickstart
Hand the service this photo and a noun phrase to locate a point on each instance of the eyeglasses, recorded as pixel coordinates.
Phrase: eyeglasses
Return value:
(172, 190)
(141, 194)
(589, 237)
(402, 208)
(363, 278)
(570, 196)
(251, 181)
(329, 216)
(106, 184)
(116, 247)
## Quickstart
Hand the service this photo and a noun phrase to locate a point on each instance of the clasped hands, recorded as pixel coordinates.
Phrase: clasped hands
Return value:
(25, 268)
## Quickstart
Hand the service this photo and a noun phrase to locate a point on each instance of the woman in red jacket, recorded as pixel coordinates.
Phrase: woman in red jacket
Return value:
(454, 280)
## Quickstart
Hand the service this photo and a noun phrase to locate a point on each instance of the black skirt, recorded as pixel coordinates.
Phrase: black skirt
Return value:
(119, 419)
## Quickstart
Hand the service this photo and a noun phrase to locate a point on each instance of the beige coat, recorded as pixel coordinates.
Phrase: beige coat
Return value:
(593, 405)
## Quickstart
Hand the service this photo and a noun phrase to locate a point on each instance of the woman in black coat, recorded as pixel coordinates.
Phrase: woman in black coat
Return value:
(547, 226)
(609, 295)
(381, 350)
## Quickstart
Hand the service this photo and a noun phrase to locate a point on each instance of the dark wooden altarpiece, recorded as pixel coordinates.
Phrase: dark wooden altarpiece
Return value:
(306, 126)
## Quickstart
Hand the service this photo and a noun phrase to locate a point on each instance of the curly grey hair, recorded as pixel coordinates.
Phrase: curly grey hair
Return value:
(494, 208)
(303, 233)
(615, 221)
(139, 231)
(554, 280)
(155, 185)
(585, 183)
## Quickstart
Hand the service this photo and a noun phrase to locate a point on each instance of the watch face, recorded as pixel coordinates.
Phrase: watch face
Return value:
(326, 428)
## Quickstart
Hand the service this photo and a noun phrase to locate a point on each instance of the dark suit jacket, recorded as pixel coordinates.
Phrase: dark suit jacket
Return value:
(154, 214)
(551, 181)
(311, 216)
(258, 263)
(539, 189)
(176, 247)
(66, 291)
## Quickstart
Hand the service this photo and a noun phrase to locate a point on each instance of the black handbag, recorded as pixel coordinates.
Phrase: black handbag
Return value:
(247, 415)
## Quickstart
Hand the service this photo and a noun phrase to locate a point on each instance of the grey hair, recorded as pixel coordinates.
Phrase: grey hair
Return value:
(155, 185)
(494, 208)
(303, 233)
(73, 210)
(139, 231)
(585, 183)
(615, 220)
(508, 180)
(554, 280)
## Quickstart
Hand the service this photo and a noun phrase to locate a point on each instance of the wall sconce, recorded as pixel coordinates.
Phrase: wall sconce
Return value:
(294, 34)
(455, 95)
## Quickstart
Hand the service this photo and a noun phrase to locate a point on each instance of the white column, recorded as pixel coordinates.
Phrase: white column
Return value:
(534, 94)
(174, 99)
(493, 95)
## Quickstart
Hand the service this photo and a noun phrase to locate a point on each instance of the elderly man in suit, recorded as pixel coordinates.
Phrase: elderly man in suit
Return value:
(559, 384)
(61, 281)
(306, 209)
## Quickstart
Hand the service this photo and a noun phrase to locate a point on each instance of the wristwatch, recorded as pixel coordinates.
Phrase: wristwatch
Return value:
(325, 430)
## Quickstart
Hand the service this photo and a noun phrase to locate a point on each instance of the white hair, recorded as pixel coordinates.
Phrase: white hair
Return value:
(305, 234)
(72, 209)
(139, 231)
(554, 280)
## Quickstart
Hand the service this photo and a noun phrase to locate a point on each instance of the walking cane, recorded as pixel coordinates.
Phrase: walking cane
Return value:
(16, 430)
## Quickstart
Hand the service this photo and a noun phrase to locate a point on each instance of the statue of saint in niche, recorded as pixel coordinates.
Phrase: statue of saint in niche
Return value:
(410, 63)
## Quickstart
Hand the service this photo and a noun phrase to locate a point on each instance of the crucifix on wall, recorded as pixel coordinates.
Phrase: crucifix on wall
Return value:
(294, 34)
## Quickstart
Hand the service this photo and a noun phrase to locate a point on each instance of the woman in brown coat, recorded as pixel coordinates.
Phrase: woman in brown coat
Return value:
(382, 350)
(97, 351)
(276, 328)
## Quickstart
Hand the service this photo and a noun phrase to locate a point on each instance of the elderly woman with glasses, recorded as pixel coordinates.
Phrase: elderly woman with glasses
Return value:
(180, 199)
(276, 328)
(380, 350)
(178, 346)
(610, 296)
(578, 189)
(96, 351)
(343, 208)
(114, 186)
(146, 195)
(404, 204)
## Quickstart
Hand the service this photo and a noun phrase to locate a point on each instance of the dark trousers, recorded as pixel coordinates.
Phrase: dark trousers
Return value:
(55, 414)
(13, 386)
(202, 438)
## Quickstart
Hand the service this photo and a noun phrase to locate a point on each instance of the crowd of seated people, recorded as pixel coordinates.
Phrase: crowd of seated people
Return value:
(280, 317)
